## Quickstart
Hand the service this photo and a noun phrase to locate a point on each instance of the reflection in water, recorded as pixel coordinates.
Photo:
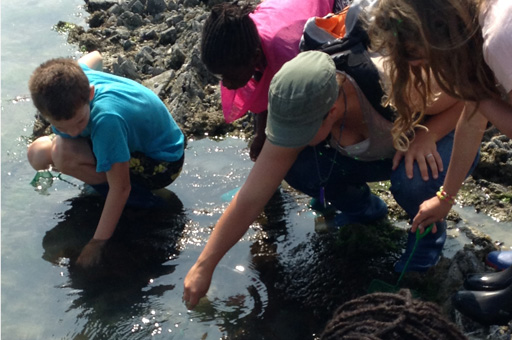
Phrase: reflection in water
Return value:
(116, 289)
(291, 282)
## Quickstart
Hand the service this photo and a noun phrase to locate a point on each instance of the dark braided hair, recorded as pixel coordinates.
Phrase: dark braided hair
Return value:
(230, 38)
(388, 316)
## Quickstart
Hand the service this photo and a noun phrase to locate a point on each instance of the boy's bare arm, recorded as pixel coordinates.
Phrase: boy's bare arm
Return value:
(93, 60)
(118, 178)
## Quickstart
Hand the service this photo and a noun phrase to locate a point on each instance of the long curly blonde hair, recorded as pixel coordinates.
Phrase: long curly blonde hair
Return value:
(446, 36)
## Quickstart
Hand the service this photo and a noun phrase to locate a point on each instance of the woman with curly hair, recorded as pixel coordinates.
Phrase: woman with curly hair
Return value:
(466, 47)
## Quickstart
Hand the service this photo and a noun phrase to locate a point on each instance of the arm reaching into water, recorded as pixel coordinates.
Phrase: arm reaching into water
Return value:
(267, 173)
(468, 136)
(118, 178)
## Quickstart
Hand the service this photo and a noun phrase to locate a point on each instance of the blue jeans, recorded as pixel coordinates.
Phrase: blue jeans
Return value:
(346, 187)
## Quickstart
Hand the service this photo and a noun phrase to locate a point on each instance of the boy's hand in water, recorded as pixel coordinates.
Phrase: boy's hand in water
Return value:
(91, 254)
(196, 285)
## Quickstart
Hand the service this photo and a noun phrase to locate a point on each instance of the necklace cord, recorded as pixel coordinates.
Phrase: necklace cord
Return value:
(324, 181)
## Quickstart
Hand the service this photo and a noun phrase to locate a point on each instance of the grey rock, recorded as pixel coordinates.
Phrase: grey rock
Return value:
(159, 83)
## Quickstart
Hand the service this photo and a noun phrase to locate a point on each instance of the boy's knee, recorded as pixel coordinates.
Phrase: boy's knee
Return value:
(39, 153)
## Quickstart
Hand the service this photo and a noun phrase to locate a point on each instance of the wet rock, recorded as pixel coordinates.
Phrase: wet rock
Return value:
(96, 5)
(159, 83)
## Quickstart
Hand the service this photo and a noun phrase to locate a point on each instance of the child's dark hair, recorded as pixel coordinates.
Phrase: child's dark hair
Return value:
(388, 316)
(230, 37)
(58, 88)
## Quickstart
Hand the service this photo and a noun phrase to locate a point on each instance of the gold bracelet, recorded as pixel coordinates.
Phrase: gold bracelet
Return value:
(444, 196)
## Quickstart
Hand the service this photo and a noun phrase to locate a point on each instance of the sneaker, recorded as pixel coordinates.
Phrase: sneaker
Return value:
(489, 281)
(375, 211)
(500, 260)
(487, 308)
(427, 253)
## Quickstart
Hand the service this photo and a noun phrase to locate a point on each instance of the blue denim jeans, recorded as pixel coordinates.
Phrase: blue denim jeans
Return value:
(345, 179)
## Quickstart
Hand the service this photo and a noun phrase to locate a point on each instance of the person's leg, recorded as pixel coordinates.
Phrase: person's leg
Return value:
(342, 180)
(153, 174)
(409, 194)
(74, 157)
(147, 175)
(39, 153)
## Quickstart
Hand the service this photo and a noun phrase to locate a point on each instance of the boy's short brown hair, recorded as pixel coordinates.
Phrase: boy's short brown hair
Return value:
(58, 88)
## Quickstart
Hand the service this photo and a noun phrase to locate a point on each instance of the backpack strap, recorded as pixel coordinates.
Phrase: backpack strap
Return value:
(355, 61)
(350, 53)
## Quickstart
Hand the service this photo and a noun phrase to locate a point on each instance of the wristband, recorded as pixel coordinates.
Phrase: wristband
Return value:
(444, 196)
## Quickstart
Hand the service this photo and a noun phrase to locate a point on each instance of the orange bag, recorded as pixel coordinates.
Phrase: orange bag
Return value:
(333, 23)
(321, 30)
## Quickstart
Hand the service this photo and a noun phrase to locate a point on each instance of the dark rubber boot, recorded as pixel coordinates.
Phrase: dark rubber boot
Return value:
(489, 281)
(377, 209)
(487, 308)
(427, 253)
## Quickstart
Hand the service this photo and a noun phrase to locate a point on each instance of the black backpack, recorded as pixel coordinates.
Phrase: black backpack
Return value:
(350, 53)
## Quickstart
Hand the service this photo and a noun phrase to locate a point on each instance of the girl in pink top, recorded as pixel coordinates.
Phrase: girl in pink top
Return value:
(245, 47)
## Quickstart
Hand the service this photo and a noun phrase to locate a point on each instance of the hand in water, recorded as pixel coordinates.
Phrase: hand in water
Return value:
(91, 254)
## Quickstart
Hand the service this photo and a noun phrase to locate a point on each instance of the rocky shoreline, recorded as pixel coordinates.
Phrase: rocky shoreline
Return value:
(156, 42)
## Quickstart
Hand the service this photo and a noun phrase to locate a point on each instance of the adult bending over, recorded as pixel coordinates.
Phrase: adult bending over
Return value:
(467, 46)
(309, 100)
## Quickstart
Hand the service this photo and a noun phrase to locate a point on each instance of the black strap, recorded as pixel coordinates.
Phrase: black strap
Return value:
(355, 61)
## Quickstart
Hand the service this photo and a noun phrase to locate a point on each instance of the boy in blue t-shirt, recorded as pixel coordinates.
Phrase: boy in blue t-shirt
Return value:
(111, 132)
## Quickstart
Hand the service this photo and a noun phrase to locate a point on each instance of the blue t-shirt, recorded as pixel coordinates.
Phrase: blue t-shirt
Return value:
(127, 117)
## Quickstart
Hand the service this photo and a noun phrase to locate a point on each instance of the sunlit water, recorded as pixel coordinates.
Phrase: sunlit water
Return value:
(137, 293)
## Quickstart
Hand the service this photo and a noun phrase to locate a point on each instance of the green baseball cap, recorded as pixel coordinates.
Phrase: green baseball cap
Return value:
(300, 95)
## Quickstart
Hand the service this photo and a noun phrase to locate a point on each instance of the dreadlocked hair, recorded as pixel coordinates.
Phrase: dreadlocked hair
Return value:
(447, 36)
(229, 38)
(388, 316)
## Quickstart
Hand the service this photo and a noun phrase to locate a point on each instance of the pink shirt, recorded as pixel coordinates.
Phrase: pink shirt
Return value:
(496, 22)
(280, 24)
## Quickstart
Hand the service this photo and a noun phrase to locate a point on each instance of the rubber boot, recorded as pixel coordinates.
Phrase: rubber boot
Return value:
(489, 281)
(377, 209)
(427, 253)
(500, 260)
(487, 308)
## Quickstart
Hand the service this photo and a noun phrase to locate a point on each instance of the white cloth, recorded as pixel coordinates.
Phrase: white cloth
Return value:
(496, 22)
